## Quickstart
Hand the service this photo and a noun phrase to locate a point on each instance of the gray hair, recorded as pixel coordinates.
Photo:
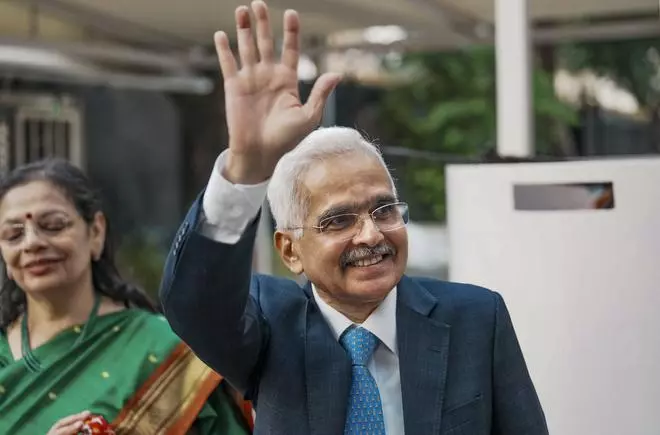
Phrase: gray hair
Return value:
(288, 201)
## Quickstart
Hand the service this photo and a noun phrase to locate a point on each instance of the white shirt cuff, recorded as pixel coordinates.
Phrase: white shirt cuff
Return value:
(229, 208)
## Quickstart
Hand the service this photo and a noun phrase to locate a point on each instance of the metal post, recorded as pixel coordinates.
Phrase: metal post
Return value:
(316, 49)
(330, 110)
(515, 117)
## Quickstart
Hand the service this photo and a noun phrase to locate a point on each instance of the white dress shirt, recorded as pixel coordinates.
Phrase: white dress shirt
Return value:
(229, 209)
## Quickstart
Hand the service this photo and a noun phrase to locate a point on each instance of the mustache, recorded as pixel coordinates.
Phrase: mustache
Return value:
(361, 252)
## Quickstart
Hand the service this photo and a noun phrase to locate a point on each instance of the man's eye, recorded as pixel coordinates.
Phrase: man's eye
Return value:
(338, 222)
(384, 212)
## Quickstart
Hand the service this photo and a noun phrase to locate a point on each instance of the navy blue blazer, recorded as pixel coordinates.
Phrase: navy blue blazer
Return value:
(462, 370)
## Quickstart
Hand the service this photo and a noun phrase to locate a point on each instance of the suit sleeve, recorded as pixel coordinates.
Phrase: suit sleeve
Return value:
(516, 406)
(211, 301)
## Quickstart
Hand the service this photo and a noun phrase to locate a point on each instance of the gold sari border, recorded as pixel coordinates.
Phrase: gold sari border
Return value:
(170, 400)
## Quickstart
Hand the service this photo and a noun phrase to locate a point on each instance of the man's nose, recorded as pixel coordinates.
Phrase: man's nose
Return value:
(368, 234)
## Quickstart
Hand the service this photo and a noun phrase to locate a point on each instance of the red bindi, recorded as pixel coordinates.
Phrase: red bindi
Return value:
(28, 216)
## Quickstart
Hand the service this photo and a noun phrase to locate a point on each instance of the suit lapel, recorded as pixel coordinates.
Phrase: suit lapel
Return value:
(327, 373)
(423, 347)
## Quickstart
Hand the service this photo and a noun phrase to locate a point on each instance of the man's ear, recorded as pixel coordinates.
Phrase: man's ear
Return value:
(288, 249)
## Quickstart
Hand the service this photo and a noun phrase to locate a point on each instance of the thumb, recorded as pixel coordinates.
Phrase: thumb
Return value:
(320, 92)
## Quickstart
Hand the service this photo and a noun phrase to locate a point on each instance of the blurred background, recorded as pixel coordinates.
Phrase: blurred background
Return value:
(130, 91)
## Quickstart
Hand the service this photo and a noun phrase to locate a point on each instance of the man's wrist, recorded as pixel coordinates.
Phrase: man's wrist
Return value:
(248, 171)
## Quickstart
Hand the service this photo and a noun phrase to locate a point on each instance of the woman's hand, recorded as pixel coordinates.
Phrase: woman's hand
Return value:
(69, 425)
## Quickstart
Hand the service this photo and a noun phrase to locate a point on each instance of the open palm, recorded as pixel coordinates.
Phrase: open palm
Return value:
(265, 116)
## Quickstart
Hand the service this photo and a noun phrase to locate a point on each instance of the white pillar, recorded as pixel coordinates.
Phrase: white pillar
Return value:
(515, 120)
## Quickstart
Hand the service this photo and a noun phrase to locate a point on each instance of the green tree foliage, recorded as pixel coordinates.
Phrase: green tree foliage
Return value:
(140, 259)
(633, 64)
(448, 106)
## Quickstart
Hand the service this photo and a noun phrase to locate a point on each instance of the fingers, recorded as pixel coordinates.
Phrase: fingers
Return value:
(73, 418)
(69, 425)
(291, 42)
(246, 49)
(225, 55)
(264, 33)
(320, 92)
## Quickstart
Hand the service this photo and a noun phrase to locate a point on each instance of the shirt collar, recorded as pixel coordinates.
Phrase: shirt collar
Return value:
(381, 323)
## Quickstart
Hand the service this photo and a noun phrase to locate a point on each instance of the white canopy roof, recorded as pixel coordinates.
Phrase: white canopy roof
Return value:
(169, 35)
(170, 23)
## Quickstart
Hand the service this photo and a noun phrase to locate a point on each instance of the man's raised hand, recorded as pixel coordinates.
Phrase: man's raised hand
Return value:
(265, 116)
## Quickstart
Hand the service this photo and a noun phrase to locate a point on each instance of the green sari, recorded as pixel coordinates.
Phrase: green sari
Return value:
(130, 368)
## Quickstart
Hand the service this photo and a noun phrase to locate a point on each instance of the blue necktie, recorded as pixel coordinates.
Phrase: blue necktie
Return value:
(365, 412)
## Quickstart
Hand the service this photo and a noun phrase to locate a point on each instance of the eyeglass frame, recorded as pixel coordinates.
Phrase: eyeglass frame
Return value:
(37, 227)
(320, 228)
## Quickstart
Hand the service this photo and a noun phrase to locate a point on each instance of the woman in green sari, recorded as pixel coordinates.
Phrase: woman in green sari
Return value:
(78, 341)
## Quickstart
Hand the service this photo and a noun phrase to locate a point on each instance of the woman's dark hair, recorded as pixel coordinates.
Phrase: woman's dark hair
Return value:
(87, 201)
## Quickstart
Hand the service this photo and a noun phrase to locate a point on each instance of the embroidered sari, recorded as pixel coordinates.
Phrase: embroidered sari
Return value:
(131, 369)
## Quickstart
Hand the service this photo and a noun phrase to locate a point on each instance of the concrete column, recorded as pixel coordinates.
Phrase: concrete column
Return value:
(515, 120)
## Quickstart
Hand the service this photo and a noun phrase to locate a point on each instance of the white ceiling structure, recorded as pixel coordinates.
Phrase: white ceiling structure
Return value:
(545, 9)
(177, 35)
(177, 24)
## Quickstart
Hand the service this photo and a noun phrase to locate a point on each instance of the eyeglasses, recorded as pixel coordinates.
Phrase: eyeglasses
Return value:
(388, 217)
(50, 226)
